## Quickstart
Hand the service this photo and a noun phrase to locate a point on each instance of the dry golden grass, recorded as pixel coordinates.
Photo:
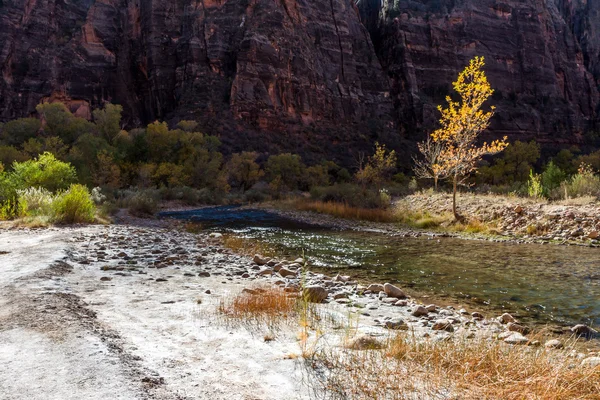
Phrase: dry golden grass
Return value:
(342, 210)
(268, 306)
(411, 368)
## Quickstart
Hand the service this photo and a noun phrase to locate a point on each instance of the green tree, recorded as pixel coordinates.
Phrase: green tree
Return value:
(45, 171)
(519, 159)
(108, 121)
(60, 122)
(552, 177)
(243, 171)
(187, 126)
(287, 169)
(15, 132)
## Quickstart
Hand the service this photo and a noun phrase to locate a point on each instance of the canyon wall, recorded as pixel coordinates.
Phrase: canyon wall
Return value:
(310, 76)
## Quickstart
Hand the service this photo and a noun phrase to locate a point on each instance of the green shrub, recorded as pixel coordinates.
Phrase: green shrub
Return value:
(73, 206)
(551, 180)
(45, 171)
(584, 183)
(142, 203)
(534, 185)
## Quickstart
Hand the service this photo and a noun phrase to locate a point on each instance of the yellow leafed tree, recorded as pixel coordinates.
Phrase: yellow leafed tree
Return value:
(460, 124)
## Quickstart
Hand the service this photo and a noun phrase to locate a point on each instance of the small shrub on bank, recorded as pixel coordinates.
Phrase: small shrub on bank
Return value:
(584, 183)
(141, 203)
(35, 201)
(74, 206)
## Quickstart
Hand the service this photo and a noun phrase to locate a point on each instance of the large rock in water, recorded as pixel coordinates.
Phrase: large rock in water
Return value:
(248, 70)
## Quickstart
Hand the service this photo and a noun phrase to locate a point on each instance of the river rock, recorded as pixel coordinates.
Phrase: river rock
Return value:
(393, 291)
(514, 327)
(284, 272)
(477, 315)
(375, 288)
(315, 293)
(264, 272)
(431, 307)
(260, 260)
(443, 325)
(584, 330)
(553, 344)
(516, 338)
(419, 311)
(396, 324)
(591, 362)
(506, 318)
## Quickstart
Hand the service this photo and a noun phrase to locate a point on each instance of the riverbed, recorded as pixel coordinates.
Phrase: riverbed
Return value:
(543, 284)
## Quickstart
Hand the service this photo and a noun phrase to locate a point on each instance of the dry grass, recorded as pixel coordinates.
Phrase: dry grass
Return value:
(578, 201)
(411, 368)
(342, 210)
(269, 306)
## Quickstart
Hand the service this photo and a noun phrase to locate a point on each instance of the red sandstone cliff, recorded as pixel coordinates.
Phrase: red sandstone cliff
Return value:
(311, 76)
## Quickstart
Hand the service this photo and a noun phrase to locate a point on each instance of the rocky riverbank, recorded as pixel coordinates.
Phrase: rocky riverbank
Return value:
(512, 219)
(519, 219)
(131, 310)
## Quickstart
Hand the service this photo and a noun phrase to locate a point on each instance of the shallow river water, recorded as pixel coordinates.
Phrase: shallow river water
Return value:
(540, 283)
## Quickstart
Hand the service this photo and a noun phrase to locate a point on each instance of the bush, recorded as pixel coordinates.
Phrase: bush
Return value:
(584, 183)
(73, 206)
(534, 185)
(142, 203)
(35, 201)
(551, 180)
(45, 171)
(352, 195)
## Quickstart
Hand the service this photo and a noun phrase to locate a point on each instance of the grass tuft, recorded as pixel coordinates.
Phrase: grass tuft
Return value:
(342, 210)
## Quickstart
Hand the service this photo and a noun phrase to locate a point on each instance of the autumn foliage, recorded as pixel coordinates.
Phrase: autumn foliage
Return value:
(451, 151)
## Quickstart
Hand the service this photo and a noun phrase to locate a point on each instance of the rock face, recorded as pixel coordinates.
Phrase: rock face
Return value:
(305, 71)
(305, 76)
(543, 59)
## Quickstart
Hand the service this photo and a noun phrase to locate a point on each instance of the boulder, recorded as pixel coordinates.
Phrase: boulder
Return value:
(419, 311)
(284, 272)
(516, 338)
(315, 293)
(443, 325)
(260, 260)
(553, 344)
(396, 324)
(506, 318)
(591, 362)
(393, 291)
(375, 288)
(584, 331)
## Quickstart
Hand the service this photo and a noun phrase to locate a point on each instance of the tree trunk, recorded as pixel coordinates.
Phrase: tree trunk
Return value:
(435, 183)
